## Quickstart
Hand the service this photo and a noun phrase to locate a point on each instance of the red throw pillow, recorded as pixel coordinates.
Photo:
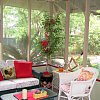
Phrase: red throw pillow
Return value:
(1, 77)
(23, 69)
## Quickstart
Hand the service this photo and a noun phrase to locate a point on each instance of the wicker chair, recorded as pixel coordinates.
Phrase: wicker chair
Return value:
(72, 88)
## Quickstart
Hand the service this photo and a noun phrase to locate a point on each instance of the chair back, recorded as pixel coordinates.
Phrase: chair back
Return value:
(83, 88)
(68, 77)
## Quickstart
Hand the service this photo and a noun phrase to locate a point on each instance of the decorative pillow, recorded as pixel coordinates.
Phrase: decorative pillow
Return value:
(8, 72)
(85, 75)
(1, 77)
(23, 69)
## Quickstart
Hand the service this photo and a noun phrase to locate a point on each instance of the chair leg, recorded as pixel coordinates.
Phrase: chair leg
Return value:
(59, 95)
(69, 98)
(89, 97)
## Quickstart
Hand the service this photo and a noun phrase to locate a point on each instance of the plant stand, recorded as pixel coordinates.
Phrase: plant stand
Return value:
(46, 80)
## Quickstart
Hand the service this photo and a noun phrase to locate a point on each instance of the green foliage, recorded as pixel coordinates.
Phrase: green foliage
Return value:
(77, 21)
(76, 41)
(94, 35)
(94, 43)
(52, 28)
(76, 44)
(15, 22)
(16, 26)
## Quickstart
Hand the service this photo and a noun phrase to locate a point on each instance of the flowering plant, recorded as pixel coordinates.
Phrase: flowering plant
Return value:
(51, 41)
(44, 44)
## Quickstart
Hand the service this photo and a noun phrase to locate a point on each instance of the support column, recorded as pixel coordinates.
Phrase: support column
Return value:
(67, 31)
(85, 48)
(1, 28)
(29, 30)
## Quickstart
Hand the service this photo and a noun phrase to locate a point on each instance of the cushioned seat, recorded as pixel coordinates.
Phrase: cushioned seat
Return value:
(6, 85)
(66, 87)
(25, 82)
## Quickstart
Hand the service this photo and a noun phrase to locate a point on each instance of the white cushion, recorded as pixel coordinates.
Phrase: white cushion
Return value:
(3, 64)
(59, 62)
(6, 85)
(25, 82)
(11, 62)
(66, 87)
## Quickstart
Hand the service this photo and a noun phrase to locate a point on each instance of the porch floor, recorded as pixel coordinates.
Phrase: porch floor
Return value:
(55, 90)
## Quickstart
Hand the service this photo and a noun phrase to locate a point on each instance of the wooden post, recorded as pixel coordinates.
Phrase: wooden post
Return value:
(67, 31)
(29, 29)
(1, 28)
(85, 48)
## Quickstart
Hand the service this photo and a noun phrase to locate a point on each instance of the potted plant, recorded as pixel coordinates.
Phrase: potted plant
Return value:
(52, 39)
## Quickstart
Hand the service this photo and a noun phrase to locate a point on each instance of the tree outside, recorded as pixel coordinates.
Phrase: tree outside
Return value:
(16, 25)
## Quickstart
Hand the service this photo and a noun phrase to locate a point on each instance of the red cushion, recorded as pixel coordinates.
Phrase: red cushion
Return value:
(23, 69)
(1, 77)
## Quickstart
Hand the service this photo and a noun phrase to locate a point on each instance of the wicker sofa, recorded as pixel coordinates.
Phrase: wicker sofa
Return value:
(17, 84)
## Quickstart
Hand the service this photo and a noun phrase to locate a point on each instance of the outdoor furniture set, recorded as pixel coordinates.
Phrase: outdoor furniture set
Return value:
(77, 84)
(24, 80)
(15, 75)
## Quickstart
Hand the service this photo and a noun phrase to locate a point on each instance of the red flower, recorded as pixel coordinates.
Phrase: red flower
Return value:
(44, 43)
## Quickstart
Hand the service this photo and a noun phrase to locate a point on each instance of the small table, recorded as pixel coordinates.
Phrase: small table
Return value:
(55, 81)
(51, 95)
(46, 81)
